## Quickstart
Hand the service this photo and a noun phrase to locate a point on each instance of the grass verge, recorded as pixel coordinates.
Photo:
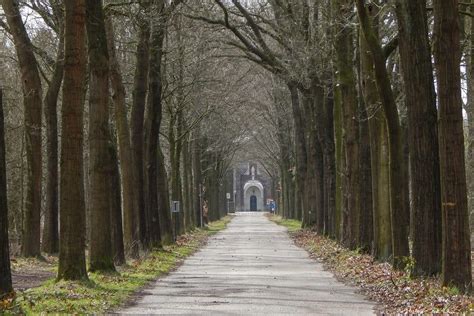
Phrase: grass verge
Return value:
(105, 292)
(395, 291)
(293, 225)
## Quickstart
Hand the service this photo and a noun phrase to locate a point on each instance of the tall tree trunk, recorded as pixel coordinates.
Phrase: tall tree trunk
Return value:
(72, 263)
(100, 168)
(5, 276)
(140, 84)
(197, 177)
(116, 206)
(164, 201)
(470, 120)
(32, 94)
(50, 240)
(127, 170)
(300, 145)
(415, 53)
(456, 262)
(152, 127)
(347, 85)
(382, 246)
(399, 212)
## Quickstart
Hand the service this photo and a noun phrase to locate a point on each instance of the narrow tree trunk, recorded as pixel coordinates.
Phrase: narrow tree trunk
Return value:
(100, 168)
(140, 84)
(72, 263)
(31, 85)
(197, 178)
(456, 263)
(5, 276)
(127, 170)
(347, 85)
(50, 240)
(164, 201)
(116, 207)
(300, 144)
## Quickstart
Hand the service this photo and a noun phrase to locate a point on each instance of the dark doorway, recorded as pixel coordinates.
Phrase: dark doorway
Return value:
(253, 203)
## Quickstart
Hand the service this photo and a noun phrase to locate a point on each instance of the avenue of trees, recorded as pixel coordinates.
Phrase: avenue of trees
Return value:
(361, 110)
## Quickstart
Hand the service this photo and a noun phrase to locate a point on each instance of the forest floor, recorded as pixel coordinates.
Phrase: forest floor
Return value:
(395, 291)
(37, 292)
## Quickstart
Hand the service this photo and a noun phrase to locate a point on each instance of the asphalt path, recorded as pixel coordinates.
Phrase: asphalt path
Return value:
(251, 268)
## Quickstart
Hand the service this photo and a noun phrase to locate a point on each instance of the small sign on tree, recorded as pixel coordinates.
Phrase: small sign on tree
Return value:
(175, 206)
(228, 196)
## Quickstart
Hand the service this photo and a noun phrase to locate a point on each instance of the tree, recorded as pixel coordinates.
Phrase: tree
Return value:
(50, 240)
(415, 54)
(72, 263)
(5, 276)
(456, 255)
(398, 182)
(130, 202)
(32, 94)
(100, 164)
(140, 85)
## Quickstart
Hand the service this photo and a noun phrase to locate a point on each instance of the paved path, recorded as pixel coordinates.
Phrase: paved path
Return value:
(251, 268)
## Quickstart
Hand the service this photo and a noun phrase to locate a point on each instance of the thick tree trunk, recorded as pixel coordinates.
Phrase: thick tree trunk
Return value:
(72, 263)
(100, 163)
(5, 276)
(382, 246)
(415, 53)
(398, 181)
(152, 128)
(456, 262)
(32, 94)
(137, 126)
(50, 240)
(127, 170)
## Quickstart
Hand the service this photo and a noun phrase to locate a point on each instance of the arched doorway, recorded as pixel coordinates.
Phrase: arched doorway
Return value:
(253, 203)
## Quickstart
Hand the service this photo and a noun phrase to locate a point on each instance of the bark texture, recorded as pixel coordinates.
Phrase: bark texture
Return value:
(72, 262)
(456, 256)
(32, 100)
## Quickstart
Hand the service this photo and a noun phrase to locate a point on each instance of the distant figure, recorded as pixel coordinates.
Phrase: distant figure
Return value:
(205, 212)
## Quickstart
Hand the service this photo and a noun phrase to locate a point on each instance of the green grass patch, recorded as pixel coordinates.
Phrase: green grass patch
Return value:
(104, 292)
(293, 225)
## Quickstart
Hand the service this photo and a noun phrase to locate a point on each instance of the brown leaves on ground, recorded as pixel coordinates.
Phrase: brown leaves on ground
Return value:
(394, 290)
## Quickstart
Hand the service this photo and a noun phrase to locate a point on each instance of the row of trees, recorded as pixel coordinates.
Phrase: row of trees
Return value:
(158, 95)
(342, 109)
(378, 151)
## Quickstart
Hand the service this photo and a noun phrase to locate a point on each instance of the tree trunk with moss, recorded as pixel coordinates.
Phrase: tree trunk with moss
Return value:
(379, 153)
(100, 163)
(398, 182)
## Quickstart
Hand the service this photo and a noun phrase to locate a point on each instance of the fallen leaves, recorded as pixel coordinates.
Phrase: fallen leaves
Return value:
(394, 290)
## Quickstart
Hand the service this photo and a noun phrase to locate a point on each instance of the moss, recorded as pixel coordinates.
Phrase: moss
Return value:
(105, 291)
